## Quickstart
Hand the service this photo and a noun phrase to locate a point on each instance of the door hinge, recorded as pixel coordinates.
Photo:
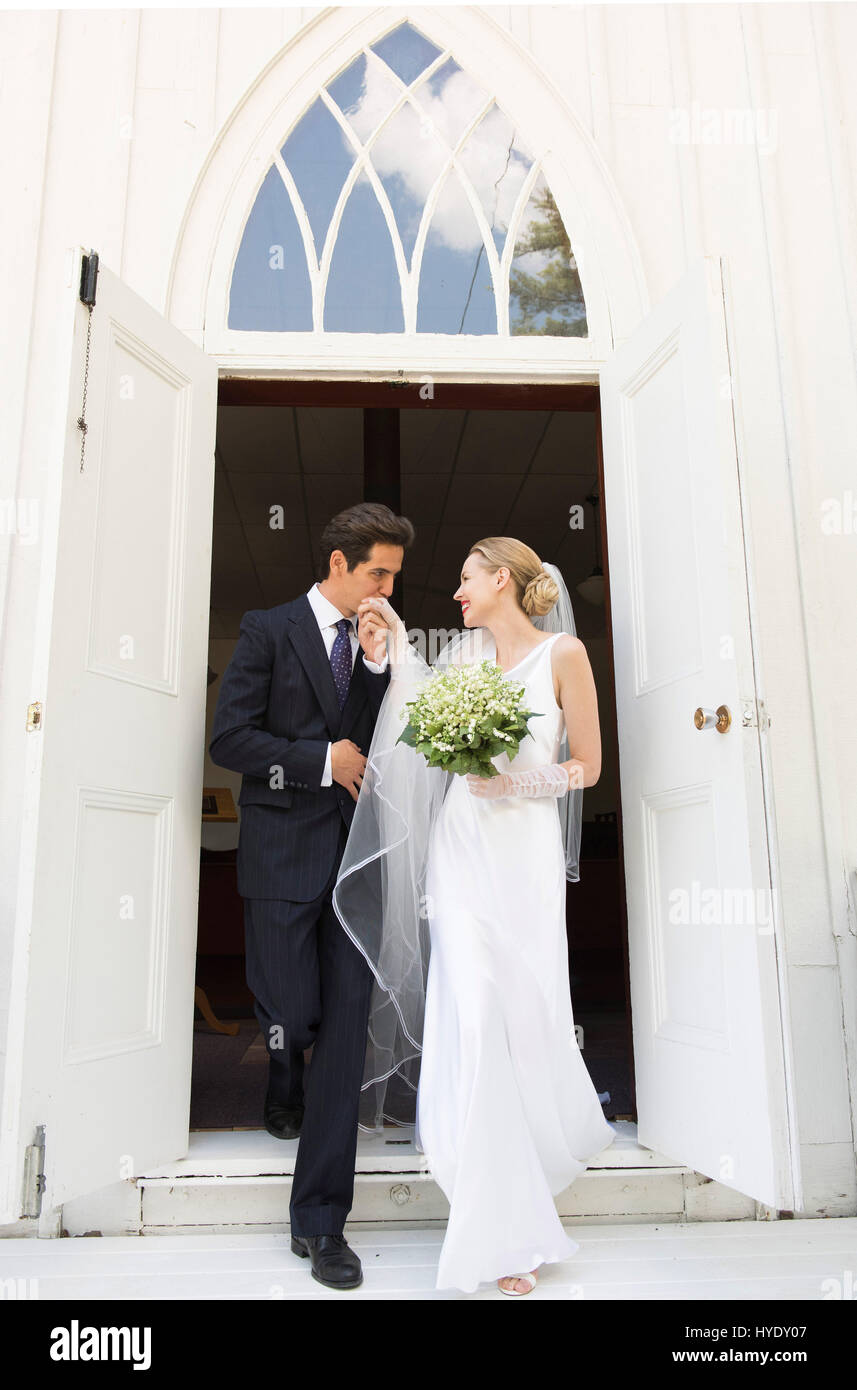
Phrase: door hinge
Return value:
(34, 716)
(754, 715)
(34, 1174)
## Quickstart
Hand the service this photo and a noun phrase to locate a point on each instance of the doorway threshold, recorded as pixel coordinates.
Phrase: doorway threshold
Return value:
(239, 1180)
(238, 1154)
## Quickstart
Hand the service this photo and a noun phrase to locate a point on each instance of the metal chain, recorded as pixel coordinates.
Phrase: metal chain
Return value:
(81, 420)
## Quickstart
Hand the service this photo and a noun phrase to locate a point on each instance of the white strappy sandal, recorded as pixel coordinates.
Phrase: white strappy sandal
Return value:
(519, 1293)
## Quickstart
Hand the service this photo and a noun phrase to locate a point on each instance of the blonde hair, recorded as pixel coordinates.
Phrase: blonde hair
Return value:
(536, 590)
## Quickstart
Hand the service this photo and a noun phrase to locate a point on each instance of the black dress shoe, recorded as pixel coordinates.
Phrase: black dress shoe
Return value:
(283, 1121)
(334, 1263)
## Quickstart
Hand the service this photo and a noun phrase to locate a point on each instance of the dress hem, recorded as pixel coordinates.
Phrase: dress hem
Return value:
(514, 1263)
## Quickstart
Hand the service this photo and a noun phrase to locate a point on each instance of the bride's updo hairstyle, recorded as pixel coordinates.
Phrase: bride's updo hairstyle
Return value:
(536, 590)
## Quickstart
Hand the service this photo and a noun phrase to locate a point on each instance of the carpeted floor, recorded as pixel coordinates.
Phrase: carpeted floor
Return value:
(230, 1075)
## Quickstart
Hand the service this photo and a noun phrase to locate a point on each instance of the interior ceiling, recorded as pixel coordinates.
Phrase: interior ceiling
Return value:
(465, 474)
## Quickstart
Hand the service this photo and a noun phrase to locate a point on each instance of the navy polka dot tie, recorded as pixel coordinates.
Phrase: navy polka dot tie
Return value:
(341, 660)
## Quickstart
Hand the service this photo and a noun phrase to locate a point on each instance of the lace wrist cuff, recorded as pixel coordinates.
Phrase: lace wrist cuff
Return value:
(550, 780)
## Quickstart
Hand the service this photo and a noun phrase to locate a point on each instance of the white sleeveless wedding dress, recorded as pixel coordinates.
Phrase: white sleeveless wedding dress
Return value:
(507, 1115)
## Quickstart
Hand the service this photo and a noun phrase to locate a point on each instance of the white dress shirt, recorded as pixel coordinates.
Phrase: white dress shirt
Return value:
(327, 616)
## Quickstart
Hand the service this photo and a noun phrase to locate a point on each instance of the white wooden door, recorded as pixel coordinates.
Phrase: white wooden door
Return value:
(705, 996)
(115, 800)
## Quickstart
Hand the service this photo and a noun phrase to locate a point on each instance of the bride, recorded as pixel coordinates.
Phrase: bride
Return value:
(453, 887)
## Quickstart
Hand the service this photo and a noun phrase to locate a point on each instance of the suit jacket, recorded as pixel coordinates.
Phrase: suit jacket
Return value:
(277, 707)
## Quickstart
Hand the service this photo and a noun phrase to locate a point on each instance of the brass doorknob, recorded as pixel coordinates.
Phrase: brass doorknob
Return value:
(718, 719)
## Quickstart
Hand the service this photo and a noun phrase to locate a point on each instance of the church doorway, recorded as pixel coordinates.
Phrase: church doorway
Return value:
(461, 461)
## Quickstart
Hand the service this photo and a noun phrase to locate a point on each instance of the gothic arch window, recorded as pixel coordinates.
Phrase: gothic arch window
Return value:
(404, 201)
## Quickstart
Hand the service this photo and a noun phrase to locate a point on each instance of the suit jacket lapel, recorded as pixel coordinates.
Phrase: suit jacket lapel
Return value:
(309, 645)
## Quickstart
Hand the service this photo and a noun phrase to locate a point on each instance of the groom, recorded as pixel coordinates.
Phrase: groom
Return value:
(295, 714)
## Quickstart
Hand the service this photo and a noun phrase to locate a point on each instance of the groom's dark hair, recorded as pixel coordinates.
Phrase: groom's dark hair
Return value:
(357, 529)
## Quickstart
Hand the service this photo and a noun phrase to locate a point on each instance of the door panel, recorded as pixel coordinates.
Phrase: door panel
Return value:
(116, 796)
(708, 1034)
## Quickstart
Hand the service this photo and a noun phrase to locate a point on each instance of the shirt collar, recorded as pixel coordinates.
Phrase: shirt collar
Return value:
(327, 614)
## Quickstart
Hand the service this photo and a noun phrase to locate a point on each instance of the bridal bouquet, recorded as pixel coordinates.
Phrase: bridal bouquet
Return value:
(464, 716)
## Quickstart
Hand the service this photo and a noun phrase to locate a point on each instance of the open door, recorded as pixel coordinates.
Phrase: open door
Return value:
(707, 1009)
(113, 805)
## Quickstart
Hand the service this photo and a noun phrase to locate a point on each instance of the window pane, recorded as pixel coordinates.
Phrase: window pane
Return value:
(456, 293)
(406, 51)
(365, 93)
(451, 99)
(408, 160)
(318, 156)
(363, 294)
(544, 287)
(497, 165)
(270, 288)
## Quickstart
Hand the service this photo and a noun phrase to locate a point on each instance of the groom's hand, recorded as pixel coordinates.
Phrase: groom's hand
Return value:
(347, 765)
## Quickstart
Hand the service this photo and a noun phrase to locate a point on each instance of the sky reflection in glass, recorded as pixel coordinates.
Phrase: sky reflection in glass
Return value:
(363, 293)
(407, 52)
(451, 100)
(456, 291)
(496, 166)
(365, 93)
(270, 288)
(318, 157)
(408, 160)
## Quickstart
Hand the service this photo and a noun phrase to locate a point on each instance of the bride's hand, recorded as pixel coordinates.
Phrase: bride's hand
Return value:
(372, 635)
(379, 608)
(378, 613)
(486, 786)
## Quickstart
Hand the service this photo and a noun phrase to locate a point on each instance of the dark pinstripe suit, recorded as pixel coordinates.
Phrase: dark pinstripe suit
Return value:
(277, 708)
